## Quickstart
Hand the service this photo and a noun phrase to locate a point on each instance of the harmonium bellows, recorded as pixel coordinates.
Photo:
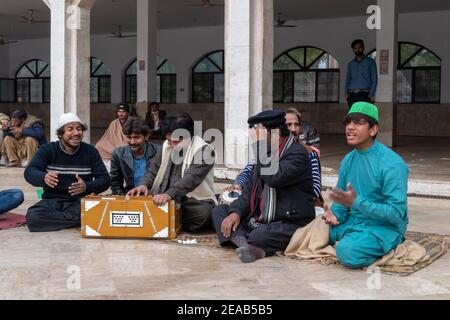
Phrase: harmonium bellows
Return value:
(128, 217)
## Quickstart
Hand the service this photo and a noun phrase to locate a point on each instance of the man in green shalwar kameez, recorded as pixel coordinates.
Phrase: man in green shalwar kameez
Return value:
(369, 215)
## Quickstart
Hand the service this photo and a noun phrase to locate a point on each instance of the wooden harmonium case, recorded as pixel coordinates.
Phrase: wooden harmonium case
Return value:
(128, 217)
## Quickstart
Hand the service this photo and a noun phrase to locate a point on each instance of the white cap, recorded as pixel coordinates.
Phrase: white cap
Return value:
(68, 118)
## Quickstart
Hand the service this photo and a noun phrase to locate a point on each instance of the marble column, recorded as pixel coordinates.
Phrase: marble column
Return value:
(248, 71)
(387, 59)
(146, 54)
(70, 60)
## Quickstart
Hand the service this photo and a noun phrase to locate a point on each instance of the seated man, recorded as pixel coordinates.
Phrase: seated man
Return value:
(114, 136)
(154, 119)
(22, 141)
(307, 133)
(130, 163)
(274, 204)
(68, 170)
(182, 170)
(369, 215)
(9, 199)
(292, 122)
(4, 125)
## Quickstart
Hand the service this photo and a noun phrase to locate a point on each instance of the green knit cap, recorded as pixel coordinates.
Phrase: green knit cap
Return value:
(366, 108)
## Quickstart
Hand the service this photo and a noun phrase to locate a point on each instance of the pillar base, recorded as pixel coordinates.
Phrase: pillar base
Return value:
(387, 133)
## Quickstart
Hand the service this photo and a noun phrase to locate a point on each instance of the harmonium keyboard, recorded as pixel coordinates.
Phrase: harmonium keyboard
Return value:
(128, 217)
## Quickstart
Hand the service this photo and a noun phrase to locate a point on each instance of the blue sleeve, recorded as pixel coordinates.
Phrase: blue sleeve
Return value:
(246, 174)
(373, 78)
(348, 79)
(36, 131)
(317, 183)
(101, 180)
(341, 212)
(35, 172)
(393, 209)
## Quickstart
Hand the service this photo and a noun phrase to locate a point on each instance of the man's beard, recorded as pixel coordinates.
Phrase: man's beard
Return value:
(136, 148)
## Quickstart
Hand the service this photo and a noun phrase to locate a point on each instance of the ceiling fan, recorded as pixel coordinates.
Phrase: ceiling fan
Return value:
(30, 19)
(4, 42)
(282, 23)
(119, 35)
(205, 4)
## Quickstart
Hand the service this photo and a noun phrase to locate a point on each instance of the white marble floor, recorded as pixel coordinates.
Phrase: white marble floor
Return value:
(62, 265)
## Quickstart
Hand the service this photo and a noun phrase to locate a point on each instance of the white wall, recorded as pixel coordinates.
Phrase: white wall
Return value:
(183, 47)
(25, 50)
(4, 61)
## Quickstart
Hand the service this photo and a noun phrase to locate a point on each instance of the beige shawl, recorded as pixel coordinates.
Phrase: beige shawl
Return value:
(113, 138)
(311, 242)
(205, 190)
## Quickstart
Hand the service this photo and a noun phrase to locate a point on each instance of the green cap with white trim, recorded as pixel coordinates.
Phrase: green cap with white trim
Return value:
(365, 108)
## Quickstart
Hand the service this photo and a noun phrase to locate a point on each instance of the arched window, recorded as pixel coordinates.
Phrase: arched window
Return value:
(305, 74)
(33, 82)
(208, 78)
(100, 82)
(166, 82)
(418, 74)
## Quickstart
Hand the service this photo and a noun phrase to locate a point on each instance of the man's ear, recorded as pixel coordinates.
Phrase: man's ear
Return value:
(374, 130)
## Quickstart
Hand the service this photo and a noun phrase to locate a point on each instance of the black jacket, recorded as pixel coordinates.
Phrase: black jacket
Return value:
(122, 167)
(149, 119)
(294, 189)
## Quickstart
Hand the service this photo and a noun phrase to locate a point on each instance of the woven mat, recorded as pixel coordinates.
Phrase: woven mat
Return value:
(206, 239)
(436, 245)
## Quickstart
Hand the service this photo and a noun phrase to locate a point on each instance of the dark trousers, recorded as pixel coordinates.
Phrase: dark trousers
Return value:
(196, 214)
(356, 97)
(54, 215)
(271, 237)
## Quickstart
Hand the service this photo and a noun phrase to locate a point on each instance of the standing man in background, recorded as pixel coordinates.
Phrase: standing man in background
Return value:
(362, 77)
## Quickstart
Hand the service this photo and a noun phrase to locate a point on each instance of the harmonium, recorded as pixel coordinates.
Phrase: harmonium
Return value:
(128, 217)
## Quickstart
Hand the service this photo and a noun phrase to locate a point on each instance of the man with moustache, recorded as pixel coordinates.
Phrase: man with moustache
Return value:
(370, 214)
(67, 170)
(362, 77)
(293, 123)
(277, 200)
(182, 170)
(130, 163)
